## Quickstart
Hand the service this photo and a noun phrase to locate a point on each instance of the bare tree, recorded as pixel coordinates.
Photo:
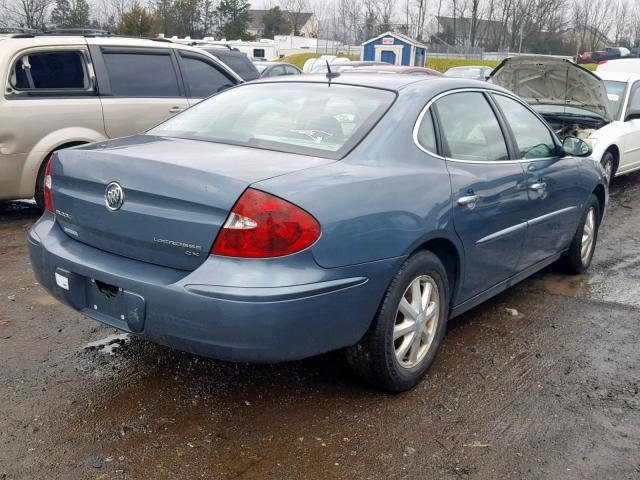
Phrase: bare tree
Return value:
(28, 13)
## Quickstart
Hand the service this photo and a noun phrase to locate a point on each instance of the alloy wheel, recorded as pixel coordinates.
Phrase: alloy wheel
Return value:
(416, 321)
(588, 235)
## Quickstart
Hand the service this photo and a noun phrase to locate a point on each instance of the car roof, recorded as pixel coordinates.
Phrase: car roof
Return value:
(221, 49)
(389, 82)
(273, 63)
(617, 76)
(34, 40)
(393, 69)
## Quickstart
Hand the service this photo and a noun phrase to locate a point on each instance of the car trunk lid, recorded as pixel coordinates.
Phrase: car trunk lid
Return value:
(177, 194)
(541, 80)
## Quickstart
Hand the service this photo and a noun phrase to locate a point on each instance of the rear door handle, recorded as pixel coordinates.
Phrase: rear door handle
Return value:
(175, 109)
(468, 201)
(538, 186)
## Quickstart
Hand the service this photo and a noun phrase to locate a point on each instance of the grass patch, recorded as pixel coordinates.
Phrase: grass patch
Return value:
(443, 64)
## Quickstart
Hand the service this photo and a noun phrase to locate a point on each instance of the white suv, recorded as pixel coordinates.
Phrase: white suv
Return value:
(62, 91)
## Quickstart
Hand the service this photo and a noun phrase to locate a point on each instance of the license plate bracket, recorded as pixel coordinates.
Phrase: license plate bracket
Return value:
(123, 308)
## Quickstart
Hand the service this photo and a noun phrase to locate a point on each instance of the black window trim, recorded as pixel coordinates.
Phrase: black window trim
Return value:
(442, 155)
(102, 76)
(219, 65)
(14, 93)
(515, 154)
(444, 146)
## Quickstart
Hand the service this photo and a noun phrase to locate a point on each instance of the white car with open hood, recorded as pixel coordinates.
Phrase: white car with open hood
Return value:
(604, 110)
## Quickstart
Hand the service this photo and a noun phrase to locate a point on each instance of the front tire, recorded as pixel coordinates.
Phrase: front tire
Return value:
(401, 343)
(580, 254)
(607, 163)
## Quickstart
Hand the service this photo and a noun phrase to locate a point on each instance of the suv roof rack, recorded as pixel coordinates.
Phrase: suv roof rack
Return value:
(80, 32)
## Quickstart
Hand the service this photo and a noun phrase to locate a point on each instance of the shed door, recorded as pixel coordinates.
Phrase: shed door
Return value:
(388, 57)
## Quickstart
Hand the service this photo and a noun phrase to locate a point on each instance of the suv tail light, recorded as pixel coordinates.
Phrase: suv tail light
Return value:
(262, 225)
(48, 198)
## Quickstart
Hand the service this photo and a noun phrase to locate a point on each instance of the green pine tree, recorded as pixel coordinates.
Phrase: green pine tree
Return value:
(137, 22)
(79, 15)
(60, 13)
(275, 23)
(234, 18)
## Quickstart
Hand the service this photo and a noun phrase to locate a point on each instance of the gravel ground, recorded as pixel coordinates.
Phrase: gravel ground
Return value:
(549, 393)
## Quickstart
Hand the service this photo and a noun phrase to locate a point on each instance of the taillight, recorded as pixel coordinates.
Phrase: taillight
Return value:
(48, 198)
(261, 225)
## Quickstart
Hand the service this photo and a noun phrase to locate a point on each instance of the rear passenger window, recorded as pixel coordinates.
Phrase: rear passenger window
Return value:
(470, 128)
(532, 136)
(63, 70)
(203, 78)
(426, 133)
(141, 75)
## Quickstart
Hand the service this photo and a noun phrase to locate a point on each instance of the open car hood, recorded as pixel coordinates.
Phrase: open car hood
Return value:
(541, 80)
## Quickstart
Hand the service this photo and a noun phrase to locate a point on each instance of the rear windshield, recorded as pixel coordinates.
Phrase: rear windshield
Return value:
(306, 118)
(463, 73)
(615, 95)
(239, 63)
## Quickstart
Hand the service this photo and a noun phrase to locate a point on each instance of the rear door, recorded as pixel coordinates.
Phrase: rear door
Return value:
(203, 77)
(489, 192)
(551, 182)
(139, 87)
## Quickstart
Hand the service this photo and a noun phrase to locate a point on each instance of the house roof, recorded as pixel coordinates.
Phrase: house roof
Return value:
(257, 22)
(399, 36)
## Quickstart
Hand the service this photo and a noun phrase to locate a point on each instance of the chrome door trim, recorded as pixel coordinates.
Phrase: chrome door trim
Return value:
(544, 218)
(425, 110)
(502, 233)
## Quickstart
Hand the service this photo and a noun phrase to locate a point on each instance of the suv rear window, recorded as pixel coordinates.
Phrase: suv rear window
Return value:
(305, 118)
(63, 70)
(141, 74)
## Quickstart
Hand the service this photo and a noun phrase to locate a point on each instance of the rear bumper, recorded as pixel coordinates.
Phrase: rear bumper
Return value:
(232, 309)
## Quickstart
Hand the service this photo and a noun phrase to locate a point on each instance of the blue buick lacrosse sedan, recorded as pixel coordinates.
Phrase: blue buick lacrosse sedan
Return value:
(282, 219)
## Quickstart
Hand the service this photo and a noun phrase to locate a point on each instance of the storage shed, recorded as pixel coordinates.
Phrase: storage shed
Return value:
(396, 49)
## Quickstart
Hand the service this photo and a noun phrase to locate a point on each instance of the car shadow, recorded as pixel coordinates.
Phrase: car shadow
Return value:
(19, 210)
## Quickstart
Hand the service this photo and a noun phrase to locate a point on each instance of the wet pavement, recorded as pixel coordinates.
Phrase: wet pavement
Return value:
(551, 392)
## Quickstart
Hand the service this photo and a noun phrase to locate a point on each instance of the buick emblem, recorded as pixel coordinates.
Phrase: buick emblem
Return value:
(113, 196)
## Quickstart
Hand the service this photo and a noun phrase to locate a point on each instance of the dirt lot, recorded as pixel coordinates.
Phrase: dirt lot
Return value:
(550, 393)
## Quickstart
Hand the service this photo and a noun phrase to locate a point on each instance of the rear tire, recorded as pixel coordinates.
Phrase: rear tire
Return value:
(39, 192)
(403, 339)
(580, 254)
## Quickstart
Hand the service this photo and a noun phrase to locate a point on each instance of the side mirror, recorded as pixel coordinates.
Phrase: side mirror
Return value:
(576, 147)
(632, 114)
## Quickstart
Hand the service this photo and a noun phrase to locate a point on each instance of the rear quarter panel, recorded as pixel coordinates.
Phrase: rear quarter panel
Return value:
(381, 201)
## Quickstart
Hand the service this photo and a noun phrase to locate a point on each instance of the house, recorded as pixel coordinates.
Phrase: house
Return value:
(396, 49)
(307, 23)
